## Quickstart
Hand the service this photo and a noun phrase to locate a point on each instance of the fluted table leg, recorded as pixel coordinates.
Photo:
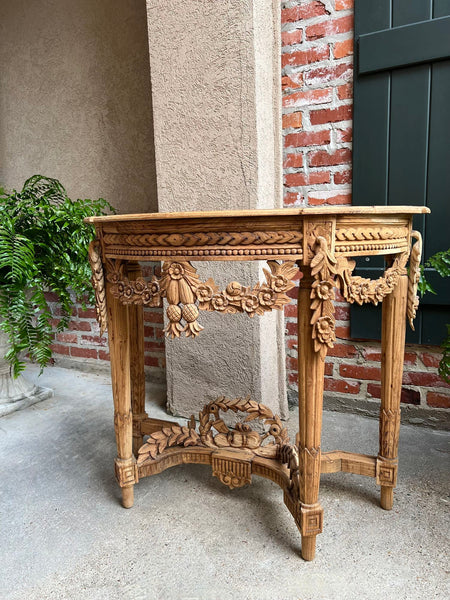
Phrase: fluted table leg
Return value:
(119, 347)
(310, 375)
(137, 373)
(392, 353)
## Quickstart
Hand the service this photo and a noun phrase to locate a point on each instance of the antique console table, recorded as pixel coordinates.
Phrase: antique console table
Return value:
(320, 242)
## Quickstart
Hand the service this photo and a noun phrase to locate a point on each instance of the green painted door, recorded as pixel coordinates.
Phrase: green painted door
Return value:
(401, 149)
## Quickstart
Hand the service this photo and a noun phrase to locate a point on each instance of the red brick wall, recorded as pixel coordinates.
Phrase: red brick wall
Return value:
(317, 39)
(317, 61)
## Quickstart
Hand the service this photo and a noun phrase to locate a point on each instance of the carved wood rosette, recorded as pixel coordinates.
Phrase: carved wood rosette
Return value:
(412, 303)
(98, 283)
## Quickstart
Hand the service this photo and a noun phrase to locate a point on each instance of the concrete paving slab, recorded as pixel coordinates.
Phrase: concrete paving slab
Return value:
(64, 534)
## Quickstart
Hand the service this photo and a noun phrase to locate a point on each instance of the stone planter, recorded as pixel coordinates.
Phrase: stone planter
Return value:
(18, 393)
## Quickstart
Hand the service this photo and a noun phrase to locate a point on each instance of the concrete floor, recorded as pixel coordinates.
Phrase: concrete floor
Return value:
(64, 534)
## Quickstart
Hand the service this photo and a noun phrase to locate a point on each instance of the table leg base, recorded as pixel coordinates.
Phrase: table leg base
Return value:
(235, 455)
(387, 497)
(308, 547)
(128, 496)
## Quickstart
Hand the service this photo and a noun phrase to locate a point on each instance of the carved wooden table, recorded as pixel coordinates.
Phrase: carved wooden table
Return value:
(319, 242)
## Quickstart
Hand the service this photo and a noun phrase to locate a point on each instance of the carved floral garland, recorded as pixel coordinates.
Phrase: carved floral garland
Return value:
(362, 290)
(187, 294)
(135, 291)
(242, 436)
(326, 269)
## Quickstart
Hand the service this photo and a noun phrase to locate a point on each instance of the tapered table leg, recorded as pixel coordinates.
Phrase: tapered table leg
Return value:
(137, 373)
(119, 348)
(392, 353)
(310, 375)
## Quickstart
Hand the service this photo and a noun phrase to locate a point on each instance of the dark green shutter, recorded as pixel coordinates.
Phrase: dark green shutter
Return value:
(401, 149)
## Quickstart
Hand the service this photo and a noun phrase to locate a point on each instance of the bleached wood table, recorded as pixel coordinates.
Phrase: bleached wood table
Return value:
(320, 242)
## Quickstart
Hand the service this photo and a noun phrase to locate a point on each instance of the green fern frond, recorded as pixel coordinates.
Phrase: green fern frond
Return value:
(43, 247)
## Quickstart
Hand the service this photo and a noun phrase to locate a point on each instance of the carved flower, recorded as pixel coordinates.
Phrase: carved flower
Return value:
(379, 293)
(147, 297)
(267, 297)
(139, 285)
(323, 290)
(120, 287)
(233, 290)
(390, 280)
(325, 330)
(128, 291)
(353, 291)
(204, 292)
(154, 287)
(364, 292)
(113, 277)
(250, 303)
(219, 301)
(279, 283)
(176, 271)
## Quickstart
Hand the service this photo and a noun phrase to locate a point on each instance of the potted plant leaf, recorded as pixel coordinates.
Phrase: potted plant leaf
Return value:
(441, 262)
(43, 248)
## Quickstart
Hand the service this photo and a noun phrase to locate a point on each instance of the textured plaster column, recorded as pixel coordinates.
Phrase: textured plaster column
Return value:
(216, 108)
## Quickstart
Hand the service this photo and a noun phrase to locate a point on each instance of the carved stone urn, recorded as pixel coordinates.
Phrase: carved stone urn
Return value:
(16, 393)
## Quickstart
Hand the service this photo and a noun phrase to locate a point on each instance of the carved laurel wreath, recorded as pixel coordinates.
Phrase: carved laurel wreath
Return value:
(242, 436)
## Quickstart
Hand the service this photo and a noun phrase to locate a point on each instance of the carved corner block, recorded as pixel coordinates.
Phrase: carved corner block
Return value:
(311, 520)
(233, 469)
(386, 472)
(312, 230)
(126, 471)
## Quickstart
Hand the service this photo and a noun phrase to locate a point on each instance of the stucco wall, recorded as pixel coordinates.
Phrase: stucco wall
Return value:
(216, 99)
(75, 98)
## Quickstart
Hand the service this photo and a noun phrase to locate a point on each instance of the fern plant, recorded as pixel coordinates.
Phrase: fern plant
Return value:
(43, 247)
(441, 262)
